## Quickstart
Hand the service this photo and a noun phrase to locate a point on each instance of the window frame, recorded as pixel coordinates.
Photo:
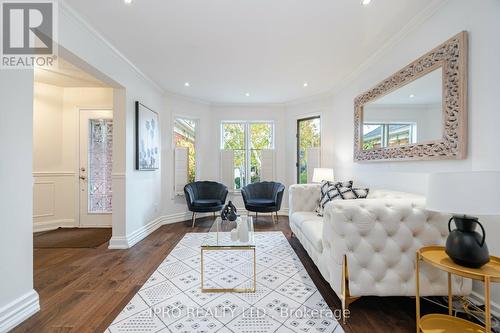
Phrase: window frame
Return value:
(385, 132)
(297, 140)
(196, 143)
(247, 142)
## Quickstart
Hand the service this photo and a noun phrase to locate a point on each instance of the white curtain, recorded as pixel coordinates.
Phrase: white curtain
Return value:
(227, 168)
(313, 160)
(181, 161)
(267, 165)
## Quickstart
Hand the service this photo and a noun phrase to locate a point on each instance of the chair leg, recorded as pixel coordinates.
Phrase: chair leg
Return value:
(256, 215)
(214, 215)
(272, 217)
(194, 219)
(277, 218)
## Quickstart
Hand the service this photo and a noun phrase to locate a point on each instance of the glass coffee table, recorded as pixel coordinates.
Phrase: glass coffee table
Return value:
(219, 239)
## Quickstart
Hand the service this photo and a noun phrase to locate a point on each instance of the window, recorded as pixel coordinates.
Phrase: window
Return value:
(247, 140)
(185, 136)
(388, 135)
(308, 143)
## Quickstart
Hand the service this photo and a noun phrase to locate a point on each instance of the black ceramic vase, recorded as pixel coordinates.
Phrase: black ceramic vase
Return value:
(464, 245)
(229, 212)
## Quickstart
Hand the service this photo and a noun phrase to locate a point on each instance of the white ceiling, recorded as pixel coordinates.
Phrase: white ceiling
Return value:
(268, 48)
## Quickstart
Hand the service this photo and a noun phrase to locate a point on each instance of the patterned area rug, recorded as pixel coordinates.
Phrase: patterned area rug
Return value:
(286, 299)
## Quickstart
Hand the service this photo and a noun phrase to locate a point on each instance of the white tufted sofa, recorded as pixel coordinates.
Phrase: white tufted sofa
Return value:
(377, 238)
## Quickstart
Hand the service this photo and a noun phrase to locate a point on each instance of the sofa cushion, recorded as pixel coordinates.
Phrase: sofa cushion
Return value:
(207, 203)
(313, 231)
(261, 202)
(298, 218)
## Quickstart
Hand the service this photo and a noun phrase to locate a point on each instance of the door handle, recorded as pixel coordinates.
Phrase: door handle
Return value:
(83, 177)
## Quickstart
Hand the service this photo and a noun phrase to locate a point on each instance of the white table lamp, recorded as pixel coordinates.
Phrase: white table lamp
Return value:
(321, 174)
(465, 195)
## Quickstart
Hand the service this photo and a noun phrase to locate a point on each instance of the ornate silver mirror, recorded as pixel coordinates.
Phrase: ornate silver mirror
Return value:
(419, 113)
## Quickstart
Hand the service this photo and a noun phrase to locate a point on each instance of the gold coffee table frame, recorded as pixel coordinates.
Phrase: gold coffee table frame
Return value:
(437, 257)
(218, 227)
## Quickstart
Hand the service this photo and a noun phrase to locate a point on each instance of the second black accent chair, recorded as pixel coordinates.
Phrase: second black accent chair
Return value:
(205, 197)
(263, 197)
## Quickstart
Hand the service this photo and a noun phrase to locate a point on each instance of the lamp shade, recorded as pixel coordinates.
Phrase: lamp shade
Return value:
(321, 174)
(465, 193)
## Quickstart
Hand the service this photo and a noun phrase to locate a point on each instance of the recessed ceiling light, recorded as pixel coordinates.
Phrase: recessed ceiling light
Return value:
(247, 94)
(306, 84)
(365, 2)
(412, 96)
(127, 2)
(187, 84)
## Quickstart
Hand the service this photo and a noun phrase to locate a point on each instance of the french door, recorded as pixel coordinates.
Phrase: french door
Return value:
(96, 143)
(308, 143)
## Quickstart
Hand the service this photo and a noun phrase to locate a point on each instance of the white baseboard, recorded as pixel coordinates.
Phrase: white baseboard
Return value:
(118, 243)
(19, 310)
(125, 242)
(52, 225)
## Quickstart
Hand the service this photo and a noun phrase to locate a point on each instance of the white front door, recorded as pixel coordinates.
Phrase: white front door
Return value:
(96, 143)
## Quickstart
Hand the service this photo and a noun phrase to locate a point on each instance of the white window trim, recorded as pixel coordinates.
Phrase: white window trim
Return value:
(196, 147)
(247, 124)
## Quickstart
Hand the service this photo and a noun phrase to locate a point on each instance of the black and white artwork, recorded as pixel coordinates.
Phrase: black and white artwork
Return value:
(147, 138)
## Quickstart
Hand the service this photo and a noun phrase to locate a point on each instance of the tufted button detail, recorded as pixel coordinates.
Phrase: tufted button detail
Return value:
(380, 236)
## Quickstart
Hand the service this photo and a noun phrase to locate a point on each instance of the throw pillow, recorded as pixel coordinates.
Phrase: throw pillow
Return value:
(329, 191)
(340, 191)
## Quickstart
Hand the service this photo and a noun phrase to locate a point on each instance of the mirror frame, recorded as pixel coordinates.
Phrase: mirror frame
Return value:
(451, 56)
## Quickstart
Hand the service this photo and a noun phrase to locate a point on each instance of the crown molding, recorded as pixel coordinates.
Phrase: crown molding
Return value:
(247, 105)
(312, 98)
(73, 13)
(169, 94)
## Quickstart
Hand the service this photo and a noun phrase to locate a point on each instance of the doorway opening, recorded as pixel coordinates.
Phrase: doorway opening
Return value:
(308, 148)
(72, 157)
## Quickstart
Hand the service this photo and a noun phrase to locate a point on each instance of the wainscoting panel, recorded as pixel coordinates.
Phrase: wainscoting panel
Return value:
(53, 200)
(44, 203)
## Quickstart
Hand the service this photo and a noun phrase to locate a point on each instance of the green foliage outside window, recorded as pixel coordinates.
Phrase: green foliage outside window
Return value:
(309, 137)
(234, 137)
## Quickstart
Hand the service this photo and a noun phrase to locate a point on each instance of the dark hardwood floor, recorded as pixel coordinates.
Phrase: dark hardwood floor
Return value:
(84, 289)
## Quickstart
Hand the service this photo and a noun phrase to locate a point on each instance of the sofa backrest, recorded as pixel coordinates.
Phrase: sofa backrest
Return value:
(389, 194)
(304, 197)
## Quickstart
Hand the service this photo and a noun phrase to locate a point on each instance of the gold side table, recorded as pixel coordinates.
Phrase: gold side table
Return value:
(432, 323)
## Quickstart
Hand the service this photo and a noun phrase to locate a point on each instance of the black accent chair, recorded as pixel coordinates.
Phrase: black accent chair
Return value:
(205, 197)
(263, 197)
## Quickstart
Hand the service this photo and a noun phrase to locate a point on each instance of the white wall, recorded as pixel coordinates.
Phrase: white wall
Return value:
(16, 238)
(136, 194)
(481, 20)
(55, 151)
